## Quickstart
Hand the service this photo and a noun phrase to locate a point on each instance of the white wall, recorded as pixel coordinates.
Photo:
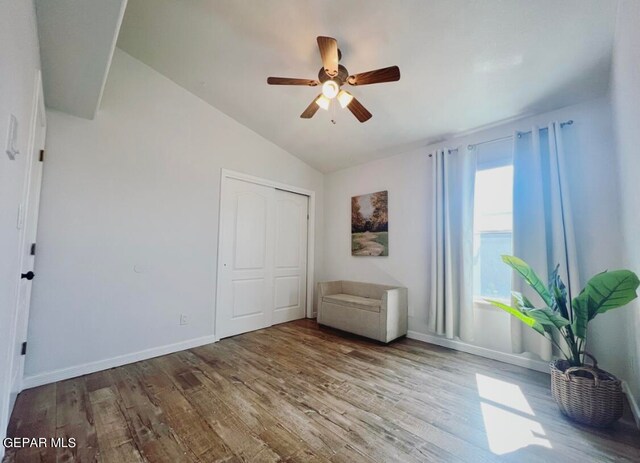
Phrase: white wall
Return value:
(626, 110)
(595, 199)
(128, 230)
(19, 62)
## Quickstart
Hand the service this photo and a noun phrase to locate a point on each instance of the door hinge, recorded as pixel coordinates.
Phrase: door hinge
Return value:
(33, 249)
(41, 155)
(23, 350)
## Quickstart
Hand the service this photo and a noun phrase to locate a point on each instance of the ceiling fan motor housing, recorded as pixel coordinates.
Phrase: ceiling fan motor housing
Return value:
(341, 78)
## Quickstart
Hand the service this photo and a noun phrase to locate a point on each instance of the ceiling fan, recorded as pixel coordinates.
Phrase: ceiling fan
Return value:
(333, 76)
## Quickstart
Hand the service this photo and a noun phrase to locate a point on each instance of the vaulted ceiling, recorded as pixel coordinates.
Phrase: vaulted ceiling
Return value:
(464, 64)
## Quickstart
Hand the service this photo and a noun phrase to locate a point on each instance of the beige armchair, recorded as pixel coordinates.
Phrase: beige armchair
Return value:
(375, 311)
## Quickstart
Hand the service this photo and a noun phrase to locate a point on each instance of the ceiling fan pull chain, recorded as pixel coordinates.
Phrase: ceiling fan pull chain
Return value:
(333, 112)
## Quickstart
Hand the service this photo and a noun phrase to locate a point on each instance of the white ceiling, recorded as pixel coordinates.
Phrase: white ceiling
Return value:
(464, 64)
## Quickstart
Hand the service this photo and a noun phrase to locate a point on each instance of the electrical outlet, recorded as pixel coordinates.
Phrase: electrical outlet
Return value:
(184, 320)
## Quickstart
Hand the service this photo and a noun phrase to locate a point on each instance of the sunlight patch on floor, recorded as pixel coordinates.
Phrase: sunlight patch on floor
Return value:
(509, 421)
(503, 393)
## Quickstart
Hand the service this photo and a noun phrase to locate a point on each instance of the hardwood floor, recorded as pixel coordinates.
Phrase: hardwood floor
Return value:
(297, 393)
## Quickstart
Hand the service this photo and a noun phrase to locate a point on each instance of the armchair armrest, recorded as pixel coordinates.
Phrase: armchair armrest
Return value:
(393, 314)
(329, 288)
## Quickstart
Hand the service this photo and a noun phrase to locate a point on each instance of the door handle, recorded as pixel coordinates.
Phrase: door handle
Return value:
(29, 275)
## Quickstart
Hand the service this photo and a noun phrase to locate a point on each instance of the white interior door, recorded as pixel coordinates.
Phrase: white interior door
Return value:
(28, 223)
(262, 257)
(246, 254)
(290, 272)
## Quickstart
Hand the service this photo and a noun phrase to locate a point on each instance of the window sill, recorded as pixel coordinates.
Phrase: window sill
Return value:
(480, 303)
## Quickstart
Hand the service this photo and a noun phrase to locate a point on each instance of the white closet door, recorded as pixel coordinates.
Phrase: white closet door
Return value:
(245, 298)
(290, 273)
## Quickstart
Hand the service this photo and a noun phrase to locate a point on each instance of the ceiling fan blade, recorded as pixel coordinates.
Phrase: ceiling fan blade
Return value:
(390, 74)
(329, 51)
(311, 109)
(359, 111)
(291, 81)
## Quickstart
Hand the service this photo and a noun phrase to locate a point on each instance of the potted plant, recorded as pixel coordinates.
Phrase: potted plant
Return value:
(583, 392)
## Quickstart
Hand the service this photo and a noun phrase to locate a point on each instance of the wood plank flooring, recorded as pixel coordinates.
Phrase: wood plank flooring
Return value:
(299, 393)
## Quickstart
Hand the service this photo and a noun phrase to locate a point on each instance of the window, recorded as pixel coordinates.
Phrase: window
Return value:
(493, 218)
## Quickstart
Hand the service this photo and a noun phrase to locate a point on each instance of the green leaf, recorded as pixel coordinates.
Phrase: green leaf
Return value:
(527, 320)
(548, 317)
(559, 293)
(525, 306)
(605, 291)
(580, 317)
(530, 277)
(609, 290)
(521, 300)
(542, 320)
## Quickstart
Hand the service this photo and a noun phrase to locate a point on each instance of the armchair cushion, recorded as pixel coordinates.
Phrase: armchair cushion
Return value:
(355, 301)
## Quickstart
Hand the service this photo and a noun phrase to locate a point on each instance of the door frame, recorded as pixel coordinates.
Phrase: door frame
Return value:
(225, 176)
(38, 123)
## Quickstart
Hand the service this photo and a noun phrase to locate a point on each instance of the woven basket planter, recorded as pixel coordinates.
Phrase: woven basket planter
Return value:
(586, 394)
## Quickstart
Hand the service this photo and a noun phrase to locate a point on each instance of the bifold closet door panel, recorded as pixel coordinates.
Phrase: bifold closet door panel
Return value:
(245, 298)
(290, 272)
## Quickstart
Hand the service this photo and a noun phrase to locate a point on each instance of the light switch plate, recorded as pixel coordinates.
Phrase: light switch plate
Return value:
(12, 138)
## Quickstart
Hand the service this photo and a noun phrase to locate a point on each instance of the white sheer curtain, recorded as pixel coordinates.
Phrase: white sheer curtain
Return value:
(451, 283)
(542, 222)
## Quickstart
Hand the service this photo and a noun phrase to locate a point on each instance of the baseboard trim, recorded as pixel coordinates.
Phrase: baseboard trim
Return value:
(513, 359)
(633, 404)
(72, 372)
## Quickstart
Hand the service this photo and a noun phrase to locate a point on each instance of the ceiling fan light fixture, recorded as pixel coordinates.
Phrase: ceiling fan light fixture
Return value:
(344, 98)
(323, 102)
(332, 76)
(330, 89)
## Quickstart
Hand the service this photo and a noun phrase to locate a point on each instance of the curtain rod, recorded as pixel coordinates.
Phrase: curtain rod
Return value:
(474, 145)
(449, 151)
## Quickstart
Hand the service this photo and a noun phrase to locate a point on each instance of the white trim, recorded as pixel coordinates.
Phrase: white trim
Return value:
(311, 244)
(513, 359)
(114, 44)
(633, 404)
(92, 367)
(311, 225)
(226, 173)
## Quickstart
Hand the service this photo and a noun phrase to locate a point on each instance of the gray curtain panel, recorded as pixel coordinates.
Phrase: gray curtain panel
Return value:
(451, 283)
(542, 222)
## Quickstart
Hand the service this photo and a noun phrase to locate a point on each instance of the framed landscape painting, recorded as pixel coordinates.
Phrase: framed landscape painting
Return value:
(370, 224)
